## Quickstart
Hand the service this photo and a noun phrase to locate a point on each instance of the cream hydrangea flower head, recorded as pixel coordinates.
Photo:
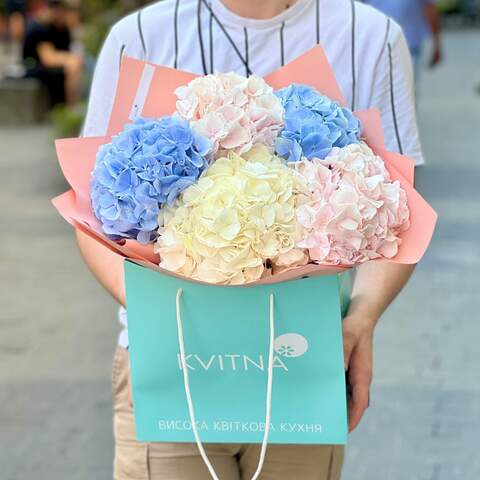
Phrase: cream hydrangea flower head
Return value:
(238, 216)
(233, 111)
(353, 211)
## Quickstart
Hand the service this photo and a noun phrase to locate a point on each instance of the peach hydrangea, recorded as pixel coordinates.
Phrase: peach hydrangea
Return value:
(352, 212)
(233, 111)
(237, 218)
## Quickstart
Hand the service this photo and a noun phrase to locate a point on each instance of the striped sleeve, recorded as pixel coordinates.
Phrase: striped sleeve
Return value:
(125, 38)
(102, 92)
(394, 94)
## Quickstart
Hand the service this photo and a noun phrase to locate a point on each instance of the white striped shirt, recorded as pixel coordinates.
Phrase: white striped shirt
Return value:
(366, 49)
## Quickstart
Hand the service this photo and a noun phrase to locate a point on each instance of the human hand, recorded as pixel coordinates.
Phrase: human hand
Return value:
(358, 327)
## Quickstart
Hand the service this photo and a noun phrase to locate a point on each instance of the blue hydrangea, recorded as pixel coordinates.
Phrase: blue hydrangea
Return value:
(149, 164)
(314, 124)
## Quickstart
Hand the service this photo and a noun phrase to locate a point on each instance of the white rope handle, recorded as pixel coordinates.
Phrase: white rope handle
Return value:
(188, 394)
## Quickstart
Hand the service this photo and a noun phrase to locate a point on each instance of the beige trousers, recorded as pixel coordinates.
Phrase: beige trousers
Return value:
(181, 461)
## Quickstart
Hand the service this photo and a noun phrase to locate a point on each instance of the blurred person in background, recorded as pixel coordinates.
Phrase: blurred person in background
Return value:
(16, 11)
(419, 19)
(12, 29)
(48, 55)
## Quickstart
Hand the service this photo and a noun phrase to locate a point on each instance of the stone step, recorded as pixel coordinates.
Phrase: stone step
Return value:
(23, 101)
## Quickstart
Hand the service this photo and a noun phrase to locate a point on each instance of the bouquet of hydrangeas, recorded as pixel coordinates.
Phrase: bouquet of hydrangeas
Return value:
(242, 182)
(228, 180)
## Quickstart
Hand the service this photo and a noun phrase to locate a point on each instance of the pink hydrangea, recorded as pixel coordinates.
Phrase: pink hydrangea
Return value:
(233, 111)
(352, 211)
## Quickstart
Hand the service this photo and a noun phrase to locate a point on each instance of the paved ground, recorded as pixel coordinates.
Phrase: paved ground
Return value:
(56, 346)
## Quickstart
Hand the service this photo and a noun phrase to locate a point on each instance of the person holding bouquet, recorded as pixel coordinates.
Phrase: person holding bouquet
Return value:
(371, 61)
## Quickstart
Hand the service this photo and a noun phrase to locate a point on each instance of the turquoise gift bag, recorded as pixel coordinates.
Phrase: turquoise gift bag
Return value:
(237, 364)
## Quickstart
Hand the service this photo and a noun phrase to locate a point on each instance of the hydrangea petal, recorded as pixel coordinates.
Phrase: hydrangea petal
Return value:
(151, 162)
(314, 124)
(233, 111)
(239, 215)
(351, 212)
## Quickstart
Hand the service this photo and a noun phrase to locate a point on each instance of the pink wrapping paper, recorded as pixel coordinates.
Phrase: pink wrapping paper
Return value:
(77, 156)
